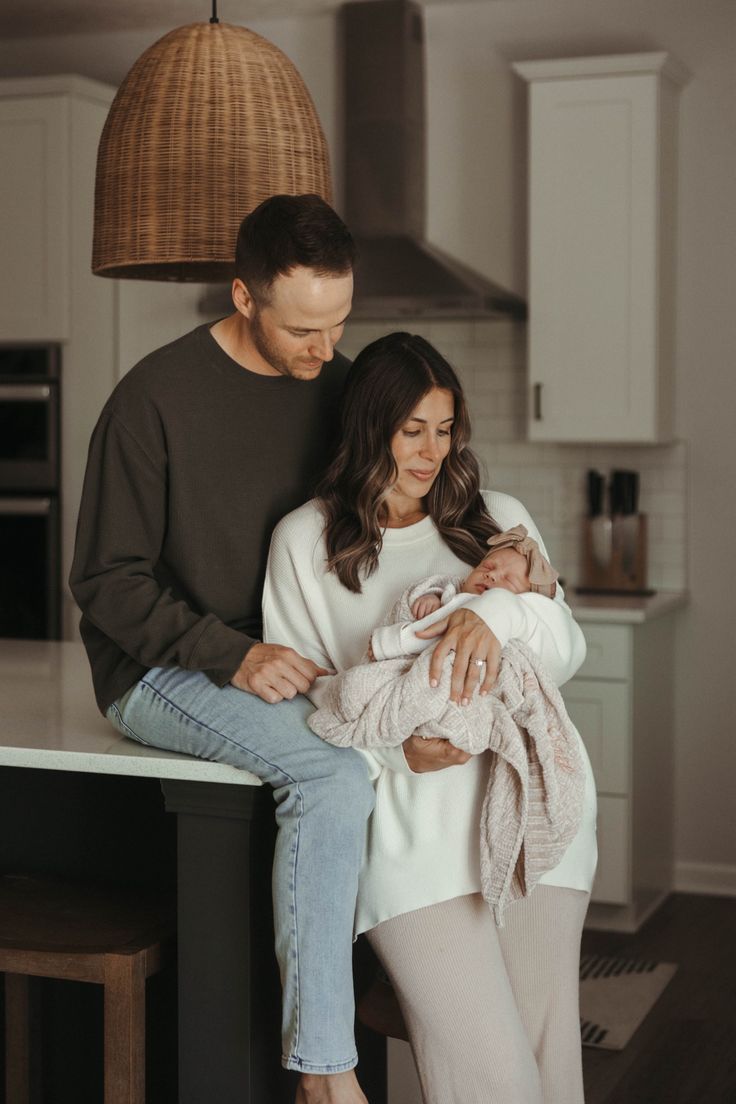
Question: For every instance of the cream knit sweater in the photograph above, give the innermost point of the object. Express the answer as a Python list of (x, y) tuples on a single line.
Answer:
[(533, 801), (423, 840)]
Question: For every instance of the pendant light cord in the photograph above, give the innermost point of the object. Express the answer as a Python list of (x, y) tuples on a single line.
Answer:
[(213, 18)]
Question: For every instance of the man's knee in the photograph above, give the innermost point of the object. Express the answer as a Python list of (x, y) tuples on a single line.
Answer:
[(351, 784)]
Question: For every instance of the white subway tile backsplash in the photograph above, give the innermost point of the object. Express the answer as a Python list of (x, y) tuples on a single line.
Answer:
[(490, 360), (668, 504), (444, 333)]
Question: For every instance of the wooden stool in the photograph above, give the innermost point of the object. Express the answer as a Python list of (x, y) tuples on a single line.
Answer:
[(116, 938)]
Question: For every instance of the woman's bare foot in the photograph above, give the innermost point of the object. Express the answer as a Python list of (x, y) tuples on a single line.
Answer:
[(330, 1088)]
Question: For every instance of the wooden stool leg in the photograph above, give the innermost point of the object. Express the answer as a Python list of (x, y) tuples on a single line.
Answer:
[(125, 1029), (17, 1039)]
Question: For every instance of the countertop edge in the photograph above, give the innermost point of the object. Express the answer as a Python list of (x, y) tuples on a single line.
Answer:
[(616, 609), (130, 764)]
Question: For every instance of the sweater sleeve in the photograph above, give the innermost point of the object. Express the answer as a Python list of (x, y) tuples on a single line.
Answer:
[(288, 614), (545, 625), (120, 533), (289, 618)]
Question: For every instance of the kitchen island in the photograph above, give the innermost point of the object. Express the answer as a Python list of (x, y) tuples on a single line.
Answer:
[(227, 977)]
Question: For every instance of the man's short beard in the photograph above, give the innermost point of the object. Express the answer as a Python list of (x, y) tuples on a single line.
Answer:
[(264, 347)]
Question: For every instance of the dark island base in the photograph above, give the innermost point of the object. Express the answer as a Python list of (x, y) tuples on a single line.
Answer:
[(215, 853)]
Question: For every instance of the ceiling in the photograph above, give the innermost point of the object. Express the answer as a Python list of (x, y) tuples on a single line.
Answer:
[(37, 18), (31, 18)]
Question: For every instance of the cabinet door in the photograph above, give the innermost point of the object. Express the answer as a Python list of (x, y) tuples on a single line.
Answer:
[(34, 227), (601, 712), (612, 883), (609, 652), (593, 259)]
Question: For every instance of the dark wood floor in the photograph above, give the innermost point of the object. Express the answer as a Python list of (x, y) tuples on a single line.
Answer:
[(685, 1051)]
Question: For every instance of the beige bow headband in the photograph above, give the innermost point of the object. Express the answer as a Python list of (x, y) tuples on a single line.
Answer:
[(542, 576)]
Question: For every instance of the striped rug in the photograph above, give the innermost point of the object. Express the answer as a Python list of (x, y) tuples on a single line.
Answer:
[(615, 996)]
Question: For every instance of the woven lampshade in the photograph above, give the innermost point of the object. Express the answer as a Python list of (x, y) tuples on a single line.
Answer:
[(211, 120)]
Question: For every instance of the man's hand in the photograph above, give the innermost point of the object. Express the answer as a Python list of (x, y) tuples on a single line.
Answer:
[(432, 755), (470, 638), (273, 672)]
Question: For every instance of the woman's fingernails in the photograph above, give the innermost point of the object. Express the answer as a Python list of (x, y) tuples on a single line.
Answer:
[(464, 701), (433, 682)]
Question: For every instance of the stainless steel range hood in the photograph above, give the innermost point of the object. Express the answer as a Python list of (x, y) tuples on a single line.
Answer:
[(398, 272)]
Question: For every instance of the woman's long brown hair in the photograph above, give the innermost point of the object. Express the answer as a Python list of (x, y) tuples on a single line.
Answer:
[(386, 382)]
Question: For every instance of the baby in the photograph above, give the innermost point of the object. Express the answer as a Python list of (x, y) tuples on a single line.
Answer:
[(514, 563), (534, 794)]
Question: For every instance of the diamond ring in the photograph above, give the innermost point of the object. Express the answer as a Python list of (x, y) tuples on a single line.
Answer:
[(479, 662)]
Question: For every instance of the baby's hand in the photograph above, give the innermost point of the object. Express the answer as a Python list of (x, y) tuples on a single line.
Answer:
[(425, 605), (371, 657)]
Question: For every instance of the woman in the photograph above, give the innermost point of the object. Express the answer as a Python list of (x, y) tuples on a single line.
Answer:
[(492, 1013)]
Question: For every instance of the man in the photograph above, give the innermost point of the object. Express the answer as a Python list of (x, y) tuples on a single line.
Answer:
[(199, 451)]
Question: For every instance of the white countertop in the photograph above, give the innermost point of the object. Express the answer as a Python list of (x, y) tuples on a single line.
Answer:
[(48, 716), (622, 609), (48, 719)]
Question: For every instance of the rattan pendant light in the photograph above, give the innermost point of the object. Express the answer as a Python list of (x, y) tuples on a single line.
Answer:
[(210, 121)]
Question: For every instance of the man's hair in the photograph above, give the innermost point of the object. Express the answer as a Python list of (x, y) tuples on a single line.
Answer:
[(285, 231)]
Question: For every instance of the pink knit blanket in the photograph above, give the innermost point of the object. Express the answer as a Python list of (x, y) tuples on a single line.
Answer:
[(533, 802)]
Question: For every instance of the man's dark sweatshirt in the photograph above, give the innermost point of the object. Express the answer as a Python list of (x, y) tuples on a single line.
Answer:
[(192, 463)]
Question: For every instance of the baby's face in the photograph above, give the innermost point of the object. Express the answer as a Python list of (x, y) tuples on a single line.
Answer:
[(505, 568)]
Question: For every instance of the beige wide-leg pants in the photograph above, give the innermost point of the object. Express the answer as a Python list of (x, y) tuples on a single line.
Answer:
[(492, 1013)]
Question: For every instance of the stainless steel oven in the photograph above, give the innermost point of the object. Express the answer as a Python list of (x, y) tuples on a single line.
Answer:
[(29, 567), (30, 590), (29, 417)]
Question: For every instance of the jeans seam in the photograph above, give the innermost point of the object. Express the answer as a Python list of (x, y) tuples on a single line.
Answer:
[(127, 727), (297, 974), (293, 1061), (298, 792)]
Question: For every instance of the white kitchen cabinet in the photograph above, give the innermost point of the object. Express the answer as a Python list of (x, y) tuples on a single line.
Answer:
[(34, 215), (602, 176), (621, 702), (49, 133)]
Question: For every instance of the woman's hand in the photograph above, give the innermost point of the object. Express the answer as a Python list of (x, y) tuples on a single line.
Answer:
[(432, 754), (273, 672), (470, 638)]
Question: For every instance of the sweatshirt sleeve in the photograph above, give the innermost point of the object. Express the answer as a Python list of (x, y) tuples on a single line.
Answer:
[(120, 533), (545, 625)]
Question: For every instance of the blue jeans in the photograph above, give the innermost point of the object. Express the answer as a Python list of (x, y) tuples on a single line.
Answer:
[(323, 800)]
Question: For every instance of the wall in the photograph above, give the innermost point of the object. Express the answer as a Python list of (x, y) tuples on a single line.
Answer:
[(476, 200)]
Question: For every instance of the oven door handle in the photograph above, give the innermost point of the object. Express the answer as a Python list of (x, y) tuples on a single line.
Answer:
[(27, 507), (24, 392)]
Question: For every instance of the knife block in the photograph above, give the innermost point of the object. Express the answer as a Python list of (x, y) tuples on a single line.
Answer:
[(615, 554)]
